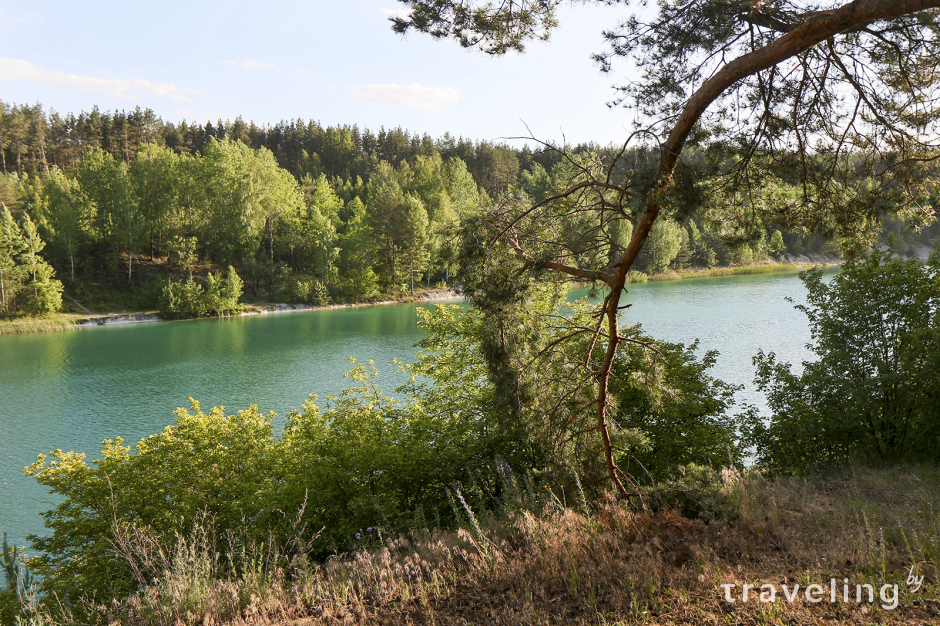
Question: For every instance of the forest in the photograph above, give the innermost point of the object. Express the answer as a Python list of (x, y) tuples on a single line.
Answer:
[(134, 212), (545, 462)]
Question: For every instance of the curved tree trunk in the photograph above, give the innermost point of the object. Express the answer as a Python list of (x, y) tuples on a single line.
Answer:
[(815, 29)]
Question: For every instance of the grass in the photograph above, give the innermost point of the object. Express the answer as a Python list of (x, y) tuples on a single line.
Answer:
[(61, 321), (758, 268), (555, 565)]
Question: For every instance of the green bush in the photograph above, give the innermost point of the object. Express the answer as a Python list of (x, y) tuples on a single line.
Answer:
[(776, 247), (190, 299), (873, 394), (44, 295), (696, 491), (205, 463), (182, 299), (18, 582), (360, 286), (680, 411), (366, 461), (295, 288)]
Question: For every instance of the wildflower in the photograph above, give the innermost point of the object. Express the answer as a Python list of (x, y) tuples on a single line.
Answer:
[(369, 529), (358, 535)]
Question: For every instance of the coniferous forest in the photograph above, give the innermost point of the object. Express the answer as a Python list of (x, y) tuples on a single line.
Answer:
[(126, 210)]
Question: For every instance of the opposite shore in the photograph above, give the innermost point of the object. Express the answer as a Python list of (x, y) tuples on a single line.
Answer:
[(74, 321)]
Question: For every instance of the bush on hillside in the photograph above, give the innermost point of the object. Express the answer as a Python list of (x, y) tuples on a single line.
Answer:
[(874, 393)]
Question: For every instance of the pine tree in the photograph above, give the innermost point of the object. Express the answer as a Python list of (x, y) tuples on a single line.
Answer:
[(11, 245), (43, 292)]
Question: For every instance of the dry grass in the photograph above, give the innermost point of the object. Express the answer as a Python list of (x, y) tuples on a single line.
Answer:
[(614, 567)]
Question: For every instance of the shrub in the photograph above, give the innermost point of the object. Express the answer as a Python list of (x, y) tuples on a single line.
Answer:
[(190, 299), (367, 460), (288, 287), (873, 394), (679, 410)]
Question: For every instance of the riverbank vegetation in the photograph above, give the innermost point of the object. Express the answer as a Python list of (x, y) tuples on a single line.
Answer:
[(451, 502), (544, 463), (131, 209), (540, 558)]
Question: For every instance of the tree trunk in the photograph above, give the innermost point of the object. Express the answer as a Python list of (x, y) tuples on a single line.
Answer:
[(68, 240), (814, 30), (391, 258), (42, 152), (271, 238)]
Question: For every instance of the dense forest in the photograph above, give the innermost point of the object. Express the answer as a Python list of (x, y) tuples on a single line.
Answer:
[(136, 212)]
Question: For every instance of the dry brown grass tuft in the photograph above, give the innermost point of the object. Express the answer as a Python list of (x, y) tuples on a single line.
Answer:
[(615, 567)]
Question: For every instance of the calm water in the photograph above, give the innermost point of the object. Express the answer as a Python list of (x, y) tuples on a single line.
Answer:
[(71, 390)]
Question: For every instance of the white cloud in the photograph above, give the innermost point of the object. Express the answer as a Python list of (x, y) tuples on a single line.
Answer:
[(251, 64), (397, 12), (413, 96), (18, 70), (8, 20)]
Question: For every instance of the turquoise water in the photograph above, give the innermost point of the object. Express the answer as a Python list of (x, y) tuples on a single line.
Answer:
[(70, 390)]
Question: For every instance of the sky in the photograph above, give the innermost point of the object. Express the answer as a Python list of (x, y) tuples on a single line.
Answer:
[(336, 62)]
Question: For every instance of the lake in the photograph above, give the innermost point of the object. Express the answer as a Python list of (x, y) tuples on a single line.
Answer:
[(70, 390)]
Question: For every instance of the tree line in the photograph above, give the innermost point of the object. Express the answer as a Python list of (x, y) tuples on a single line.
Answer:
[(33, 141), (128, 203)]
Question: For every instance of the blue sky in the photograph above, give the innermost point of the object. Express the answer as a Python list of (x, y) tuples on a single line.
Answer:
[(333, 61)]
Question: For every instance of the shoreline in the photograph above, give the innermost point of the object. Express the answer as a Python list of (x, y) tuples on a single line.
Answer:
[(789, 265), (74, 321)]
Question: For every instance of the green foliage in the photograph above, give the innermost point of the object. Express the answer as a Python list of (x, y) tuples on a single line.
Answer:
[(289, 287), (222, 296), (679, 410), (153, 173), (696, 491), (666, 409), (367, 461), (777, 247), (358, 279), (873, 393), (27, 282), (494, 27), (18, 580), (205, 463), (663, 246), (351, 216), (190, 299), (182, 300), (185, 249), (107, 186)]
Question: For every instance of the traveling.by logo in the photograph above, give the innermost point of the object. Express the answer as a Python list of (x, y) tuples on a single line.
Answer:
[(914, 582), (837, 592)]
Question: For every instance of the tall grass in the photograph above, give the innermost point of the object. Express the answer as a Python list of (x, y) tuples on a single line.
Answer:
[(36, 324), (534, 560)]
